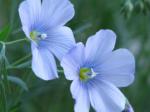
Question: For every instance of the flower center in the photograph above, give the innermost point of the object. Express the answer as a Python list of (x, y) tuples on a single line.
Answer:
[(37, 36), (86, 74)]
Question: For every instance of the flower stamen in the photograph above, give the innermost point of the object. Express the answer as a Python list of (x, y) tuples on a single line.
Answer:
[(37, 36), (86, 74)]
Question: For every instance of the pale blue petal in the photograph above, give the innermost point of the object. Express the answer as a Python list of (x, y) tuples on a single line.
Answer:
[(23, 13), (29, 11), (72, 62), (80, 94), (96, 99), (26, 31), (60, 41), (128, 107), (118, 68), (105, 97), (131, 109), (43, 63), (57, 12), (98, 45), (34, 7)]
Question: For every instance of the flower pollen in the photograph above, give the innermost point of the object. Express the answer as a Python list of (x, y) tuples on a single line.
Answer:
[(37, 36), (86, 74)]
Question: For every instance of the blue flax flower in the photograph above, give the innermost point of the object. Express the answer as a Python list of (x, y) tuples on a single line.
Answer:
[(97, 71), (43, 23)]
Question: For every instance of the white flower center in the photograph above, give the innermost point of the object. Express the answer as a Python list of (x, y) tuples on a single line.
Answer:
[(43, 36), (37, 36)]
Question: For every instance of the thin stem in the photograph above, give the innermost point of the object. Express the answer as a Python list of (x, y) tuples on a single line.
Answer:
[(60, 71), (15, 41), (16, 67), (22, 59)]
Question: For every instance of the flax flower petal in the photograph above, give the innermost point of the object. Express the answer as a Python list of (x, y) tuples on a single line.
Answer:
[(98, 45), (73, 61), (118, 68), (105, 97), (80, 94), (43, 63)]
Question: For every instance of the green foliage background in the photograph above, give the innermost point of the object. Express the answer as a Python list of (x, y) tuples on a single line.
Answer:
[(133, 31)]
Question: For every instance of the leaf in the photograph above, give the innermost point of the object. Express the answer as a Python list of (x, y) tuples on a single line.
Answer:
[(15, 108), (19, 82), (4, 33), (3, 101), (3, 70), (3, 80)]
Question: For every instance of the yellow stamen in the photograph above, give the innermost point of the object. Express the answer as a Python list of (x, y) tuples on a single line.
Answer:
[(33, 35), (83, 74)]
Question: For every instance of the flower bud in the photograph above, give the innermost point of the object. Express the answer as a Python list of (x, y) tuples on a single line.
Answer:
[(139, 6), (127, 8)]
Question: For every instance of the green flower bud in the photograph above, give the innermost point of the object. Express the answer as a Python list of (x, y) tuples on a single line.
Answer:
[(127, 8)]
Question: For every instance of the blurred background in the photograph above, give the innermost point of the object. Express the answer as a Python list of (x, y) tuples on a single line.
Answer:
[(22, 91)]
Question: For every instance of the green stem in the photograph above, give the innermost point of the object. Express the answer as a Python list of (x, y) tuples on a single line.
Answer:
[(60, 71), (16, 41), (22, 59), (16, 67)]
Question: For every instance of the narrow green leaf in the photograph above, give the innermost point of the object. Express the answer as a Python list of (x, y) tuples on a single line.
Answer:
[(3, 69), (4, 86), (4, 33), (15, 108), (18, 81), (3, 101)]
